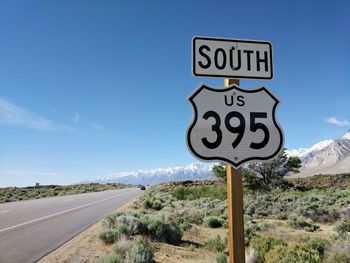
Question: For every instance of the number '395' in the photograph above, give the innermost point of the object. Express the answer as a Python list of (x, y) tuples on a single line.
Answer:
[(239, 130)]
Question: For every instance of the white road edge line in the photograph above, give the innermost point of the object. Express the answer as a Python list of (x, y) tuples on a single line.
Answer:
[(59, 213)]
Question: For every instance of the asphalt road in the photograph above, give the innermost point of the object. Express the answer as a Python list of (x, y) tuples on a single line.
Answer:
[(29, 230)]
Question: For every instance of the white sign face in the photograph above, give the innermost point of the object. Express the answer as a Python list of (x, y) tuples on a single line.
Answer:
[(231, 58), (234, 125)]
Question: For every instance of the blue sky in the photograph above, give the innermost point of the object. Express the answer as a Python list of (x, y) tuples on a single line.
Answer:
[(89, 88)]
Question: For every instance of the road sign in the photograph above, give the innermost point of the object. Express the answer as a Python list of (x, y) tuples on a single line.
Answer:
[(231, 58), (234, 125)]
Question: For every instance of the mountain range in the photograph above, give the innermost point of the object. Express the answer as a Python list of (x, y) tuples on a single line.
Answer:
[(325, 157), (193, 171)]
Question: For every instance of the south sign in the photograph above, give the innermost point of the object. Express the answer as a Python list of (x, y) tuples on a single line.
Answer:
[(231, 58), (234, 125)]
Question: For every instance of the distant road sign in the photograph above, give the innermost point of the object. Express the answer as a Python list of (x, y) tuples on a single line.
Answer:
[(231, 58), (234, 125)]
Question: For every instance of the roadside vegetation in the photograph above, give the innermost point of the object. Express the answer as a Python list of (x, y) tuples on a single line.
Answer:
[(294, 221), (11, 194)]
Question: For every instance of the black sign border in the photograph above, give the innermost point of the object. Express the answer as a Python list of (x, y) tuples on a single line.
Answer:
[(227, 40), (195, 118)]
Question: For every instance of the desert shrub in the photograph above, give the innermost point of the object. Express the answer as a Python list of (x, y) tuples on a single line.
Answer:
[(280, 216), (194, 216), (345, 213), (111, 258), (262, 245), (292, 253), (300, 222), (122, 247), (155, 200), (250, 229), (216, 244), (152, 204), (126, 224), (108, 236), (180, 192), (317, 205), (312, 228), (201, 191), (140, 252), (163, 230), (318, 211), (220, 209), (317, 244), (110, 220), (343, 227), (122, 230), (221, 258), (136, 214), (132, 224), (157, 205), (147, 204), (183, 224), (250, 209), (297, 222), (212, 221)]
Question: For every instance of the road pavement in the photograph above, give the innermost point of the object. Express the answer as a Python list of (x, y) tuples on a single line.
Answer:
[(31, 229)]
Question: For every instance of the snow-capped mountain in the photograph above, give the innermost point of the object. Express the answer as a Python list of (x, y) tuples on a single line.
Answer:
[(329, 156), (194, 171), (326, 157)]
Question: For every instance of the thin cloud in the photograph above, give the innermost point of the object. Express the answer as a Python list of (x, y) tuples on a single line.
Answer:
[(11, 114), (76, 117), (337, 122), (97, 126), (98, 129)]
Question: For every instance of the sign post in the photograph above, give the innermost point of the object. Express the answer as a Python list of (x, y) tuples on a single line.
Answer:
[(233, 125), (235, 207)]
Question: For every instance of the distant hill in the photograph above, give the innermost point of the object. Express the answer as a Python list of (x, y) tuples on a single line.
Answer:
[(323, 181), (325, 157), (194, 171)]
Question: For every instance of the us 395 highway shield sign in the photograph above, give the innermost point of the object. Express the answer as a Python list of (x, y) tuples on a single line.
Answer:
[(234, 125)]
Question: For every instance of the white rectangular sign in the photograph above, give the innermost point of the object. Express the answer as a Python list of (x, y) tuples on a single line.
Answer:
[(231, 58)]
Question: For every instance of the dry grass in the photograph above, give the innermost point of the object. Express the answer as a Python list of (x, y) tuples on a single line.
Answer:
[(288, 234), (191, 249)]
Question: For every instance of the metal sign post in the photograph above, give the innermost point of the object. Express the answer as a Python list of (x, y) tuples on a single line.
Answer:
[(235, 207)]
